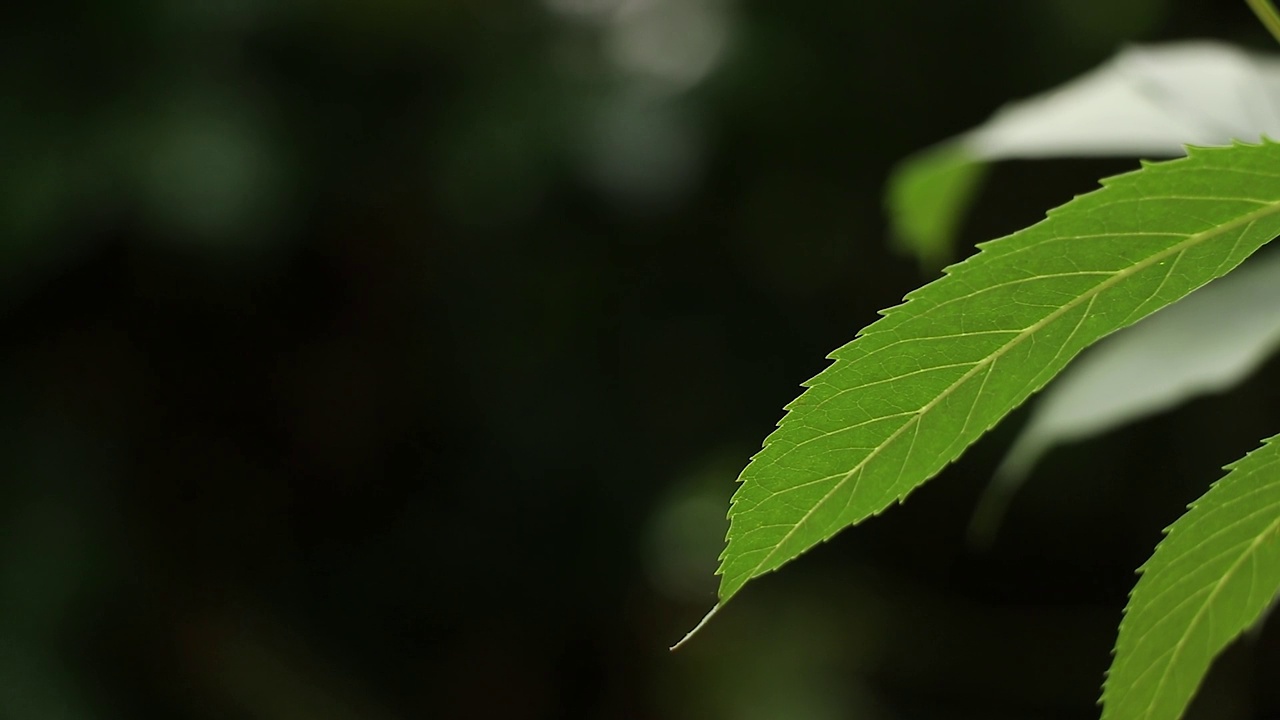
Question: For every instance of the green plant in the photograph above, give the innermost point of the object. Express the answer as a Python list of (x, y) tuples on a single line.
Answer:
[(925, 381)]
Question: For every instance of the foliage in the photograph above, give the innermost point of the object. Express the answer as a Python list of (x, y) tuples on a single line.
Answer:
[(1149, 101), (918, 386), (928, 379), (1211, 577)]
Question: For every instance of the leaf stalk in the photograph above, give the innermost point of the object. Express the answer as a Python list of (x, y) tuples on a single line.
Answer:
[(1267, 13)]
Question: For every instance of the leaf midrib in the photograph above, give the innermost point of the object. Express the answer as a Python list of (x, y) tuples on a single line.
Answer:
[(1120, 275)]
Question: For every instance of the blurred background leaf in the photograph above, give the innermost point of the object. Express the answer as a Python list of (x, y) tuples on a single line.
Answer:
[(1147, 102)]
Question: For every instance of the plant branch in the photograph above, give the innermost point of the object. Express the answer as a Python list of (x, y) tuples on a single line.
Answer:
[(1267, 13)]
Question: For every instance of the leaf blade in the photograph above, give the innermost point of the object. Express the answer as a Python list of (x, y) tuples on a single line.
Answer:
[(929, 377), (1213, 575)]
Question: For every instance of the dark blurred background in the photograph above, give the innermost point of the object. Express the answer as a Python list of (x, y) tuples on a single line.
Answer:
[(395, 359)]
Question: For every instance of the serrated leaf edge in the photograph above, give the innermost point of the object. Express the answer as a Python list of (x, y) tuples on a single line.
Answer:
[(1271, 207), (1272, 532)]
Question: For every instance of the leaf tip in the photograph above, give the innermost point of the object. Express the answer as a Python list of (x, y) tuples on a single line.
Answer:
[(689, 635)]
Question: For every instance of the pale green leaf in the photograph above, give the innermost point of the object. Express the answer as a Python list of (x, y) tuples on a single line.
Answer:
[(1211, 578), (926, 380), (1149, 101), (927, 196)]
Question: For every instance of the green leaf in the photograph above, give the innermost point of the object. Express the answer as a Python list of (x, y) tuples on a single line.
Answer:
[(1211, 578), (922, 383), (927, 197)]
